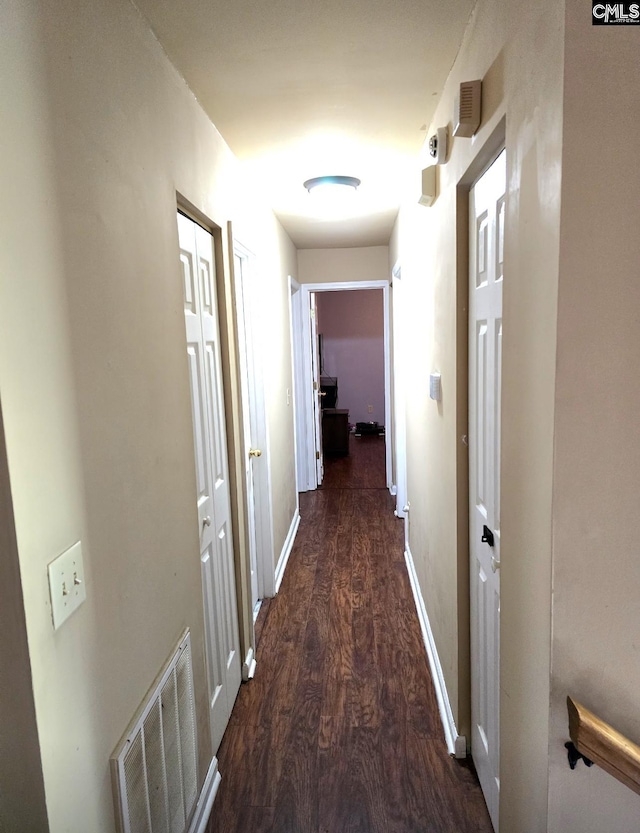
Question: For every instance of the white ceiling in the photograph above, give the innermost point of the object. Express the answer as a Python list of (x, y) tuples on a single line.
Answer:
[(301, 89)]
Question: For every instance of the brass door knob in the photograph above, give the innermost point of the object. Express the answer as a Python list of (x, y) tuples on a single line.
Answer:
[(255, 452)]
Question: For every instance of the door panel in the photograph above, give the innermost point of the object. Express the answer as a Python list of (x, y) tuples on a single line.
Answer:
[(317, 409), (249, 405), (218, 710), (400, 360), (212, 481), (486, 222)]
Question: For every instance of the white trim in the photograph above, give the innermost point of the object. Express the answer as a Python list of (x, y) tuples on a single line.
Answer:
[(301, 348), (399, 393), (255, 425), (200, 818), (297, 379), (388, 439), (456, 744), (286, 549), (249, 666), (305, 400)]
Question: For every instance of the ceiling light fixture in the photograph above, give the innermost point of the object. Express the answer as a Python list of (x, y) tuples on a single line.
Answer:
[(323, 182)]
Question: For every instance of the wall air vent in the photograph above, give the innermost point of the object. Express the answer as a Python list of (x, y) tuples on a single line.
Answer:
[(467, 110), (154, 768)]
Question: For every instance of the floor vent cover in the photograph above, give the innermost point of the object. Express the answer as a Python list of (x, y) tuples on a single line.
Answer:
[(154, 766)]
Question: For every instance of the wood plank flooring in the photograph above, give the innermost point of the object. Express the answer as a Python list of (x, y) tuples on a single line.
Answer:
[(339, 730)]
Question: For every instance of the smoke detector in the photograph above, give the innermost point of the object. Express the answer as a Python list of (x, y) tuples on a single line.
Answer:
[(438, 146), (466, 116)]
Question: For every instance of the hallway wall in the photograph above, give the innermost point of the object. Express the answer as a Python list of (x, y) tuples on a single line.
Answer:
[(23, 804), (370, 263), (517, 49), (570, 399), (99, 135), (596, 569)]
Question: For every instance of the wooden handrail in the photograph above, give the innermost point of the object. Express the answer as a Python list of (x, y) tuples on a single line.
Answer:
[(604, 745)]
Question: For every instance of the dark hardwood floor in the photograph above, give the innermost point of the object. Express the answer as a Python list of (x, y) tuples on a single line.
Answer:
[(339, 730)]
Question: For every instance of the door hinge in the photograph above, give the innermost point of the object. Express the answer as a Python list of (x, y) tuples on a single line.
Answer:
[(312, 313), (315, 386), (317, 455)]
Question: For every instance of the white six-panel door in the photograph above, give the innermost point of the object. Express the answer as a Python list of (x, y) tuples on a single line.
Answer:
[(487, 214), (212, 480)]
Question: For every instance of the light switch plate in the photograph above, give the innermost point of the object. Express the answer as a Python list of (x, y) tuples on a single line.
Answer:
[(435, 387), (66, 584)]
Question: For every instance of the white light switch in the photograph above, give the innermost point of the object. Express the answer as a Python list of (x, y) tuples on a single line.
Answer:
[(66, 584)]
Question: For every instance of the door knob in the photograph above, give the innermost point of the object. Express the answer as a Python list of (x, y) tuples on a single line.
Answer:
[(255, 452), (487, 536), (322, 393), (495, 564), (206, 521)]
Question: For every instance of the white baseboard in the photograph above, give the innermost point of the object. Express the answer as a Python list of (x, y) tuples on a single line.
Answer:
[(206, 798), (456, 744), (286, 549), (249, 666)]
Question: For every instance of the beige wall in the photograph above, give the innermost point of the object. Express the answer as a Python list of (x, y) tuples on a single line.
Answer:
[(517, 49), (23, 805), (596, 569), (370, 263), (99, 134)]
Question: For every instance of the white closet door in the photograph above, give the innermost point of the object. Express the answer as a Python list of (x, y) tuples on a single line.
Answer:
[(212, 478), (487, 213)]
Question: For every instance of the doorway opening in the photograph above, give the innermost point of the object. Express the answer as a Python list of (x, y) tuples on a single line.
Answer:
[(341, 347)]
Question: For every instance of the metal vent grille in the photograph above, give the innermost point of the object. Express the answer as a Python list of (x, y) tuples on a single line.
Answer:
[(467, 110), (154, 767), (466, 101)]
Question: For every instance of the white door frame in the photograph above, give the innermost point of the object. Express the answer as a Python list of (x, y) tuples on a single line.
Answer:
[(317, 393), (485, 509), (213, 495), (256, 430), (304, 399), (399, 393), (300, 358)]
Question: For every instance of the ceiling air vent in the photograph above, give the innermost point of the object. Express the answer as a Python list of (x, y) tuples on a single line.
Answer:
[(466, 116)]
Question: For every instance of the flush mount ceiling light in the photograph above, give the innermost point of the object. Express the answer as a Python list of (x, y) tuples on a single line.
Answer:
[(333, 182)]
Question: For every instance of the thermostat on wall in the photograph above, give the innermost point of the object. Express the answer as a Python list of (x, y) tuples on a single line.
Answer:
[(435, 388)]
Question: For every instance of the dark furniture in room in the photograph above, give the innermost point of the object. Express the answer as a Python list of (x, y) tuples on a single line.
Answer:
[(335, 432), (329, 391)]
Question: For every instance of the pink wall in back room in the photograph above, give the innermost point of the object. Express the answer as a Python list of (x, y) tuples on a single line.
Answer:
[(352, 328)]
